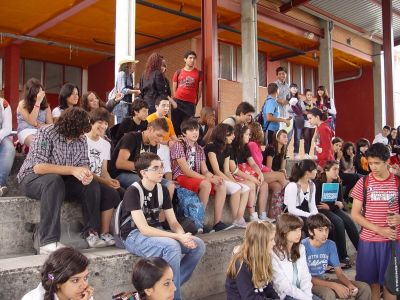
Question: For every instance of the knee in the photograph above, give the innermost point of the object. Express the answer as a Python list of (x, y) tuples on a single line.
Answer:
[(55, 181), (205, 185), (173, 249)]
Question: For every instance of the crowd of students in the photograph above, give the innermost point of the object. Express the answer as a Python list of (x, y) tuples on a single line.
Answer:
[(77, 151)]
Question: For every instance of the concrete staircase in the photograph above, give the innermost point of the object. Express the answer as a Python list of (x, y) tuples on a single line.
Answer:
[(110, 268)]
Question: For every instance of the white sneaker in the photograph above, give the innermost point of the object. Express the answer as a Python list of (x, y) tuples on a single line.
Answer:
[(296, 156), (241, 223), (50, 248), (307, 156), (95, 241), (108, 238), (3, 191), (254, 217), (265, 218)]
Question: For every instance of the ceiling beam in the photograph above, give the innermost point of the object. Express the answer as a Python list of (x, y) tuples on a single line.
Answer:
[(58, 19), (284, 8)]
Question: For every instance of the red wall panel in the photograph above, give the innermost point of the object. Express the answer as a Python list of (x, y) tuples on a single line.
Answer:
[(354, 100), (101, 78)]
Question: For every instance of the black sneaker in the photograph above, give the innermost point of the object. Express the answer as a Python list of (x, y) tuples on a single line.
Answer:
[(222, 226), (205, 229)]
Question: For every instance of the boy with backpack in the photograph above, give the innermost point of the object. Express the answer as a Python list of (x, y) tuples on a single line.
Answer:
[(321, 252), (376, 210), (271, 115), (141, 229), (191, 172), (186, 90)]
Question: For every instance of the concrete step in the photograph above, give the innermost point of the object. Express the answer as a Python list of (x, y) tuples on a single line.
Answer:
[(15, 212), (111, 268)]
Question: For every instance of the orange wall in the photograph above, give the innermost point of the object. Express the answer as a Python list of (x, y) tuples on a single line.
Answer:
[(354, 100)]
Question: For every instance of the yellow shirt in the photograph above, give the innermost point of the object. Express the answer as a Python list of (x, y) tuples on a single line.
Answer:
[(171, 130)]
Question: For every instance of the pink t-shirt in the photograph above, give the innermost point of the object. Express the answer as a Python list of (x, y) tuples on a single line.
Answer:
[(256, 153)]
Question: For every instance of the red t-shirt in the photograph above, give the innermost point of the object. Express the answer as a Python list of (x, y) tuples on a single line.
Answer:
[(324, 141), (187, 85), (382, 196)]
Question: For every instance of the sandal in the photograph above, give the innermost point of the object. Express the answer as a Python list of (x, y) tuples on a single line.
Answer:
[(330, 270)]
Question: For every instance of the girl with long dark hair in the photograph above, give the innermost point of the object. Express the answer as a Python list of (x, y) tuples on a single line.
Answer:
[(308, 130), (153, 84), (68, 97), (327, 105), (298, 109), (289, 260), (323, 136), (153, 279), (348, 172), (64, 275), (32, 112), (218, 153), (333, 209), (300, 192)]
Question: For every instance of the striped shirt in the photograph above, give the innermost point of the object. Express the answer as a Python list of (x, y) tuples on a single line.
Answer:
[(382, 196), (50, 147)]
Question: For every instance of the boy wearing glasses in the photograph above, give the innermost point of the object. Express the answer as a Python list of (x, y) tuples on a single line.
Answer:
[(145, 236), (191, 172)]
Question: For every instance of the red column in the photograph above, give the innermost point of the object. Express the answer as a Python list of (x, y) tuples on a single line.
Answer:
[(11, 78), (209, 40), (387, 12)]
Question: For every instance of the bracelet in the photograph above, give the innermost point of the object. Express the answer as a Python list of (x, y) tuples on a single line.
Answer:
[(38, 106)]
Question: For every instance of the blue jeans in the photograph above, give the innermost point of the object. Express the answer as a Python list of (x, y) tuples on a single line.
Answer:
[(296, 142), (171, 251), (7, 154), (291, 298), (121, 110)]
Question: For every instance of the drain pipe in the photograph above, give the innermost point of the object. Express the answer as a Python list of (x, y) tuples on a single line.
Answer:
[(360, 71), (53, 43)]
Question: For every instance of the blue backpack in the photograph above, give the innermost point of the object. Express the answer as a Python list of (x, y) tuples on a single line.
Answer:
[(190, 206)]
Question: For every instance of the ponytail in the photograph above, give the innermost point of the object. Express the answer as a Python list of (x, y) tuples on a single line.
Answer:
[(300, 168)]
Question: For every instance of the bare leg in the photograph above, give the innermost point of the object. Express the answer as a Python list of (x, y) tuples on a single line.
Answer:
[(251, 203), (275, 176), (235, 200), (244, 198), (219, 201), (263, 198), (204, 192), (106, 220), (387, 295), (171, 189)]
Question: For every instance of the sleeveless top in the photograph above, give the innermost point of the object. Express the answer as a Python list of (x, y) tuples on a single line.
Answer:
[(23, 124)]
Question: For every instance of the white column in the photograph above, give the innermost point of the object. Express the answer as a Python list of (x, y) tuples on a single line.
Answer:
[(125, 16), (249, 51)]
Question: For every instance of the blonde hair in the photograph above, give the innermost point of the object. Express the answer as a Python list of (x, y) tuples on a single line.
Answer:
[(253, 253)]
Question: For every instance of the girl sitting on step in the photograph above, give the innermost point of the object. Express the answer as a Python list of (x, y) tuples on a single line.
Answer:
[(249, 275), (64, 276)]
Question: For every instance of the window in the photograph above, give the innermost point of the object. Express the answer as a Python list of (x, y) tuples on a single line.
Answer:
[(54, 78), (74, 76), (297, 76), (226, 66), (52, 75), (308, 79), (230, 64)]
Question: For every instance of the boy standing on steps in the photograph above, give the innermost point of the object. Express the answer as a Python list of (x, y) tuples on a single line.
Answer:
[(321, 252), (191, 172), (145, 237), (380, 220), (186, 90)]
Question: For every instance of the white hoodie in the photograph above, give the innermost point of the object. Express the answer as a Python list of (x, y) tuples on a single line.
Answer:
[(282, 277), (38, 294)]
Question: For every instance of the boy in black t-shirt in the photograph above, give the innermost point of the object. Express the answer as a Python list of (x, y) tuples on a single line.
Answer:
[(122, 166), (145, 237)]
